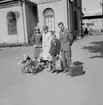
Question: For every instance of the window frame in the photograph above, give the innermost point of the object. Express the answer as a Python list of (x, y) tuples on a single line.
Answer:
[(11, 23), (49, 17)]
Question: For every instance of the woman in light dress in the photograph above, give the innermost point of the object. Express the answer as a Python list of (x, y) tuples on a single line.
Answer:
[(46, 42)]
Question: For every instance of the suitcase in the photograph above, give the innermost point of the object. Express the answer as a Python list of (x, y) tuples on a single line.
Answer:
[(76, 69)]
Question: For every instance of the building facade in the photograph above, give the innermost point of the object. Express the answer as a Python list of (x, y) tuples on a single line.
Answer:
[(93, 19), (18, 18), (94, 24), (50, 12)]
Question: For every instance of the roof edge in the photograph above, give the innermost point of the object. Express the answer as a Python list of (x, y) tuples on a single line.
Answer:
[(46, 1)]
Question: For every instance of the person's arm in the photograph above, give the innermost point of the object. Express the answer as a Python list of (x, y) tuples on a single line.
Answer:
[(33, 39), (60, 40), (41, 40), (50, 47), (70, 37)]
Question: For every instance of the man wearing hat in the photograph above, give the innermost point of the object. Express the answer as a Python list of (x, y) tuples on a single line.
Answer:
[(46, 42), (37, 41)]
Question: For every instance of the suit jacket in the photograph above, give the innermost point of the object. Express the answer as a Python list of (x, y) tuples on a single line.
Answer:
[(54, 47), (65, 40)]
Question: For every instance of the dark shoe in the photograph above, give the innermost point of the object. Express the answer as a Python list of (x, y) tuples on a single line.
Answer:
[(53, 70), (83, 72), (66, 70), (50, 68), (68, 73)]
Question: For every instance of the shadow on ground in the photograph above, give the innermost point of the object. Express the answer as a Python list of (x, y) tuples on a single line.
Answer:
[(76, 70), (96, 47), (2, 49), (72, 74)]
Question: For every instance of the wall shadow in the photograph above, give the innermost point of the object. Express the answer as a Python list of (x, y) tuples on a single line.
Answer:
[(96, 47), (2, 49)]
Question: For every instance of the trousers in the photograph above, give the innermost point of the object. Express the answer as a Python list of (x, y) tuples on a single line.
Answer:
[(53, 61), (66, 56)]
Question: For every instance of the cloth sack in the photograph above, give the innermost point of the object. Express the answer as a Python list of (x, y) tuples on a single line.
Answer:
[(58, 63)]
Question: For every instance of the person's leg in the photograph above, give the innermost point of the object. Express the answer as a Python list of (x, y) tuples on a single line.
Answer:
[(70, 56), (64, 60), (53, 61), (38, 51), (35, 51), (68, 60)]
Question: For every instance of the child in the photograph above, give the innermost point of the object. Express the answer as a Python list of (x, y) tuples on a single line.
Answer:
[(54, 50)]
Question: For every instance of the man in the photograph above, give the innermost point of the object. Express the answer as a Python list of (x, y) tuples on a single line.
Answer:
[(37, 41), (54, 49), (66, 42), (46, 42)]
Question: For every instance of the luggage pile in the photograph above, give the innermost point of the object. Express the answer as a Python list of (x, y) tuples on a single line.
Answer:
[(31, 66)]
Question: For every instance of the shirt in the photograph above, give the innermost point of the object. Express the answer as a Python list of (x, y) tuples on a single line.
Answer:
[(37, 39)]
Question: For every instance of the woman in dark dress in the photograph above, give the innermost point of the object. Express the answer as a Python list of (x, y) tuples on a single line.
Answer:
[(37, 41)]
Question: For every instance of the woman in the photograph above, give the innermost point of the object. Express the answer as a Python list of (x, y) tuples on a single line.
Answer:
[(37, 41), (46, 42)]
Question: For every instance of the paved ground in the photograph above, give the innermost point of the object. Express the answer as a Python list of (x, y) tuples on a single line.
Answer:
[(54, 89)]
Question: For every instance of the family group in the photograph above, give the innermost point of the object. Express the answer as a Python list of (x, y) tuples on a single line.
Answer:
[(48, 44)]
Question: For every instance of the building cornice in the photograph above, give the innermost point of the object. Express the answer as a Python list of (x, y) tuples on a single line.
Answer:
[(14, 3), (9, 4), (46, 1)]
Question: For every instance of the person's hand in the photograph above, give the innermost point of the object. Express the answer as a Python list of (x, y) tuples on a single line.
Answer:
[(58, 55), (39, 45), (35, 45)]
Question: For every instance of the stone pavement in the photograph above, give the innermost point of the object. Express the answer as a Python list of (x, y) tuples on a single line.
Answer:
[(46, 88)]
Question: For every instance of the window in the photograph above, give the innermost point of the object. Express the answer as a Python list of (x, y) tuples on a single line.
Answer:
[(11, 23), (49, 18)]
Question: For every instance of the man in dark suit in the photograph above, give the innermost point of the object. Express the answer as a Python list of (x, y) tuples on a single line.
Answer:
[(54, 49), (66, 42)]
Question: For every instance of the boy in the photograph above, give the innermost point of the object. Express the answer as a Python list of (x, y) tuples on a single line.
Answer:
[(54, 49)]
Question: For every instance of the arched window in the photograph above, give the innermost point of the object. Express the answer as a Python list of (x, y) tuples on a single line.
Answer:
[(49, 18), (11, 23)]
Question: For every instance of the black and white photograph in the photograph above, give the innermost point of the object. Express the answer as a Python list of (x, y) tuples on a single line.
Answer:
[(51, 52)]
